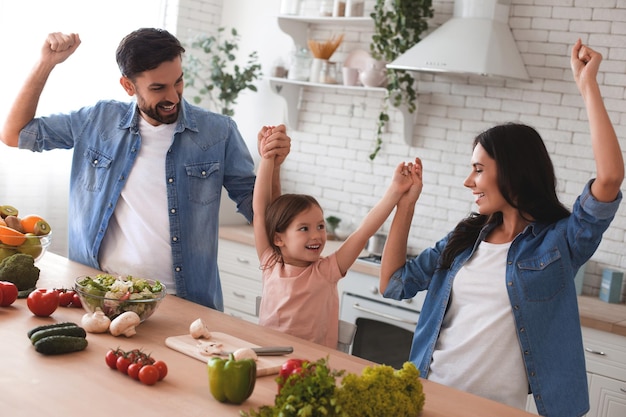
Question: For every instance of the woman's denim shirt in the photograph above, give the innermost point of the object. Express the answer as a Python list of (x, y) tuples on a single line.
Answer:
[(207, 153), (540, 268)]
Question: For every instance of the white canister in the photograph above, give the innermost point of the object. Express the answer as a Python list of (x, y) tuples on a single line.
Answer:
[(316, 68)]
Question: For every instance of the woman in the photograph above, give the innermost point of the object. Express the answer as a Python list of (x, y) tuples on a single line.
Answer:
[(500, 318)]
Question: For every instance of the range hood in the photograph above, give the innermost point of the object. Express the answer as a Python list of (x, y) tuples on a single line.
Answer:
[(476, 40)]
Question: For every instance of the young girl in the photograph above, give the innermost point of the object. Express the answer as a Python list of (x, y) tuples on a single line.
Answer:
[(501, 313), (299, 285)]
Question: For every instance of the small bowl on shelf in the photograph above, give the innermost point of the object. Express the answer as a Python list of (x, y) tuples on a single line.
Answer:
[(29, 244), (112, 304)]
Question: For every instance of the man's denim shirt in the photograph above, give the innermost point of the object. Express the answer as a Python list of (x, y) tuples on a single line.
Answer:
[(206, 153), (541, 264)]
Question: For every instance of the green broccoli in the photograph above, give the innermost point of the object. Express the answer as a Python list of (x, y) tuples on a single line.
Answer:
[(19, 269)]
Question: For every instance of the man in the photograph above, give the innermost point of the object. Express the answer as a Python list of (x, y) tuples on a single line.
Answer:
[(147, 175)]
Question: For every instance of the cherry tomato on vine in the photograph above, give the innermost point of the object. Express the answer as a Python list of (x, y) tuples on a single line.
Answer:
[(133, 370), (162, 368), (122, 364), (149, 374), (111, 358)]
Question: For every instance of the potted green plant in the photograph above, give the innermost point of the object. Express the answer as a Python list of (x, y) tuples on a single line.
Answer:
[(216, 75), (398, 25)]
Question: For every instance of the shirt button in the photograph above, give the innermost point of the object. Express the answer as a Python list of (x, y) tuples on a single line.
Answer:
[(173, 211), (526, 352), (170, 180), (95, 162), (532, 373), (522, 330), (178, 269), (515, 307), (175, 239), (204, 173), (510, 283)]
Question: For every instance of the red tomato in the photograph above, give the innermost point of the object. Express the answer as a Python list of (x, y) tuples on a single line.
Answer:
[(162, 368), (111, 358), (76, 300), (65, 297), (133, 370), (149, 374), (42, 302), (287, 368), (122, 364), (9, 293)]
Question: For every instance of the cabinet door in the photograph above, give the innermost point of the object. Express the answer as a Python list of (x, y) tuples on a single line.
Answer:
[(607, 397), (241, 279)]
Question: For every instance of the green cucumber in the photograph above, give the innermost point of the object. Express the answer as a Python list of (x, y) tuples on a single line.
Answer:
[(56, 345), (50, 326), (58, 331)]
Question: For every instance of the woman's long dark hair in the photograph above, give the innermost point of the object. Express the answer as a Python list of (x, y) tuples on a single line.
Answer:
[(525, 178)]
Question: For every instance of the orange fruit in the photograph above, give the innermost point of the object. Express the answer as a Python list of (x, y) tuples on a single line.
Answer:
[(35, 224), (11, 237)]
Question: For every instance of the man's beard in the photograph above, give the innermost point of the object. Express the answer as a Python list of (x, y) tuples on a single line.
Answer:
[(153, 112)]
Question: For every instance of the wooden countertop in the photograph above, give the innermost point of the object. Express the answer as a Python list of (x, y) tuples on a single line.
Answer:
[(80, 384), (594, 313)]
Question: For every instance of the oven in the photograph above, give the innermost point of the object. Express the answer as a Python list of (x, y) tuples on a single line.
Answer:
[(384, 327)]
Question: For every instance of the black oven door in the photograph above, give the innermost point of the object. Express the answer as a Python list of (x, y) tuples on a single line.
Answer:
[(384, 332)]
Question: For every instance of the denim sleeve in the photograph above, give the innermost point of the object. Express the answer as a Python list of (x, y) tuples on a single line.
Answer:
[(416, 274), (239, 174)]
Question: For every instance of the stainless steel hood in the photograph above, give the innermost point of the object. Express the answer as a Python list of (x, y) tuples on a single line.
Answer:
[(476, 40)]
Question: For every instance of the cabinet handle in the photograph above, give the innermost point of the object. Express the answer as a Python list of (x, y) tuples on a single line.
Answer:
[(357, 306), (238, 295), (595, 352), (242, 260)]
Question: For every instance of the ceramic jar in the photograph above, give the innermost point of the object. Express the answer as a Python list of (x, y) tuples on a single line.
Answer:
[(375, 75)]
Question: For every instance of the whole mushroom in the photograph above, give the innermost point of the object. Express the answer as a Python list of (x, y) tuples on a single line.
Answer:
[(199, 330), (125, 324), (96, 322)]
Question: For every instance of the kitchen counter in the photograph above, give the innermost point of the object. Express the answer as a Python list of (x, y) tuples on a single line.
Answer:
[(594, 313), (80, 383)]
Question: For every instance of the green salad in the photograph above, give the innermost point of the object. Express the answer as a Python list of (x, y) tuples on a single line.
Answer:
[(115, 294)]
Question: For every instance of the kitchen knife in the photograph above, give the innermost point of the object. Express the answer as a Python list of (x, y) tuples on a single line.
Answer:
[(267, 351)]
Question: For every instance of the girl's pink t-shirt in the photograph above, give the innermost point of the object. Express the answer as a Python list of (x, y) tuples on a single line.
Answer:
[(302, 301)]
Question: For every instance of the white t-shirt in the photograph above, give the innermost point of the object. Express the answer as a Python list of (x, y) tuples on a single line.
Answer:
[(478, 350), (137, 239)]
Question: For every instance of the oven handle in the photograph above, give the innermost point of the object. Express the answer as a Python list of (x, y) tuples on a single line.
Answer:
[(357, 306)]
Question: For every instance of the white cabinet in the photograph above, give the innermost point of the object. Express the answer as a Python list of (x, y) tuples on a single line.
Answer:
[(297, 27), (241, 279), (605, 356)]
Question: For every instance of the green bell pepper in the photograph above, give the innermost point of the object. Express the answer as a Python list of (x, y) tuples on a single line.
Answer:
[(231, 380)]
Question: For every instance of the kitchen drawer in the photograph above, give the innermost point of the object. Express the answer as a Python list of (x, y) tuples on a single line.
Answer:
[(240, 294), (238, 259), (605, 353), (240, 315)]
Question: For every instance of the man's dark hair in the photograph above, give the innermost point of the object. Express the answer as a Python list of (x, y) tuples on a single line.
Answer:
[(145, 49)]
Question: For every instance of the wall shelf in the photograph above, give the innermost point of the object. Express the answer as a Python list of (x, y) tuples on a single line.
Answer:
[(297, 26), (291, 91)]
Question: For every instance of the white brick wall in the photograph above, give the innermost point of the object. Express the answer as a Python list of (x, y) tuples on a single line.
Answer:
[(336, 128)]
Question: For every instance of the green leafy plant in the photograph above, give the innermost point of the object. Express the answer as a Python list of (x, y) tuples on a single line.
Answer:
[(398, 25), (215, 74)]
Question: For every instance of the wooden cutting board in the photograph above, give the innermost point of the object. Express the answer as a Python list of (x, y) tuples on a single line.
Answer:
[(265, 365)]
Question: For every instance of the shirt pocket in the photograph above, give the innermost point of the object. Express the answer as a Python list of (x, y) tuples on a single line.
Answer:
[(543, 276), (204, 182), (95, 169)]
